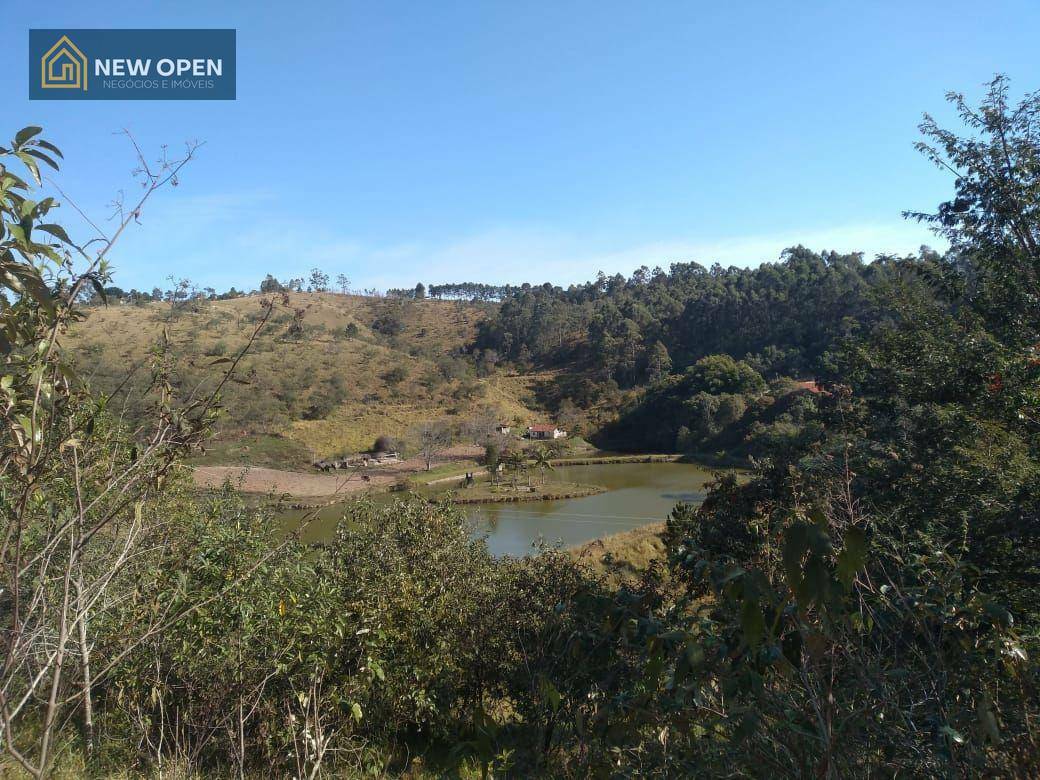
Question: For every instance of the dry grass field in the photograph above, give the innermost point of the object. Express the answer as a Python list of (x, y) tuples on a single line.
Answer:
[(622, 557), (355, 368)]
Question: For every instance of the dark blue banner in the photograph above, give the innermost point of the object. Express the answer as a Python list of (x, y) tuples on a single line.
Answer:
[(131, 64)]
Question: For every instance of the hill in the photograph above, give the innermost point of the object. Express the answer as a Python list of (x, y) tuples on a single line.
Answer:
[(326, 376)]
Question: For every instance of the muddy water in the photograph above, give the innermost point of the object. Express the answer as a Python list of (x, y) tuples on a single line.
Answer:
[(637, 494)]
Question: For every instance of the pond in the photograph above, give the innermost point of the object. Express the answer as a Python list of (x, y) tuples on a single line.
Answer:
[(637, 494)]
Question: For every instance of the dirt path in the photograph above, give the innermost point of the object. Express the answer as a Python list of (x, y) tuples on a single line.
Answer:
[(254, 479), (456, 477), (260, 480)]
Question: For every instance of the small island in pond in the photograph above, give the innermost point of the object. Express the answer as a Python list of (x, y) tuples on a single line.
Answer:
[(483, 492)]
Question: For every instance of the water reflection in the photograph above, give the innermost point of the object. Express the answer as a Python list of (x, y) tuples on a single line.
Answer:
[(637, 494)]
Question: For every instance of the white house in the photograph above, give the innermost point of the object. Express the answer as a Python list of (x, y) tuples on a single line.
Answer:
[(545, 432)]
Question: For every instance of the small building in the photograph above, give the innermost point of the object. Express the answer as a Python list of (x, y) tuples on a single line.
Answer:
[(503, 429), (545, 432)]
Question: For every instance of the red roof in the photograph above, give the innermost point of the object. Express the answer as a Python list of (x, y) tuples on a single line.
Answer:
[(543, 428)]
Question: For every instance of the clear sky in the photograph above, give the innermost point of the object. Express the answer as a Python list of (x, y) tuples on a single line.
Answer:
[(539, 141)]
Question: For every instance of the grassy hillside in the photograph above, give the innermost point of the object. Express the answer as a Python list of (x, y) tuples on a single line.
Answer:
[(351, 369)]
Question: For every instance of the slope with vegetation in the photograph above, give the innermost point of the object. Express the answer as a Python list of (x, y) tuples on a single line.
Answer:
[(865, 604), (337, 370), (628, 352)]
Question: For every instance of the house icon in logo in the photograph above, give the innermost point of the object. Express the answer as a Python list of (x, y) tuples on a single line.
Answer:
[(64, 66)]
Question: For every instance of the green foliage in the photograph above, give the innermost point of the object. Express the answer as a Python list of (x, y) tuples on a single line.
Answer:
[(72, 484), (785, 315), (271, 285), (866, 603), (492, 457), (863, 603), (28, 240), (711, 406), (390, 319), (658, 362), (395, 627), (718, 374), (319, 280)]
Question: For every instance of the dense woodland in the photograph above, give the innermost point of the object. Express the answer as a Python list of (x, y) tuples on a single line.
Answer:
[(866, 602), (696, 346), (782, 317)]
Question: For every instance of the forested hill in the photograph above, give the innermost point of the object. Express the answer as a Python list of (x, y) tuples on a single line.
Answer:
[(781, 317)]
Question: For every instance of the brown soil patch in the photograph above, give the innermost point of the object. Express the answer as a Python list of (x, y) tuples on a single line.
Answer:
[(254, 479)]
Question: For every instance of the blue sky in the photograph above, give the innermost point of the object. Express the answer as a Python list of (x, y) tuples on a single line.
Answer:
[(493, 141)]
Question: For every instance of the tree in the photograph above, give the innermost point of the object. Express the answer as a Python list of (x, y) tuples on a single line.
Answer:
[(319, 280), (625, 347), (390, 319), (731, 409), (568, 416), (658, 362), (433, 437), (516, 463), (296, 329), (492, 459), (781, 317), (718, 374), (542, 461), (486, 361), (481, 426), (420, 291), (889, 524), (995, 206), (271, 285), (343, 282)]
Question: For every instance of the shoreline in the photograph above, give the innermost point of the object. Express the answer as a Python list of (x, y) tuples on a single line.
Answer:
[(607, 460), (581, 492), (295, 491), (622, 556)]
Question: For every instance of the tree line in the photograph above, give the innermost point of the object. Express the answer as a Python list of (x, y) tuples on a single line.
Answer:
[(780, 317)]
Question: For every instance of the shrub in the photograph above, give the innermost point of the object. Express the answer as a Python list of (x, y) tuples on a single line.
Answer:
[(395, 375), (218, 349)]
